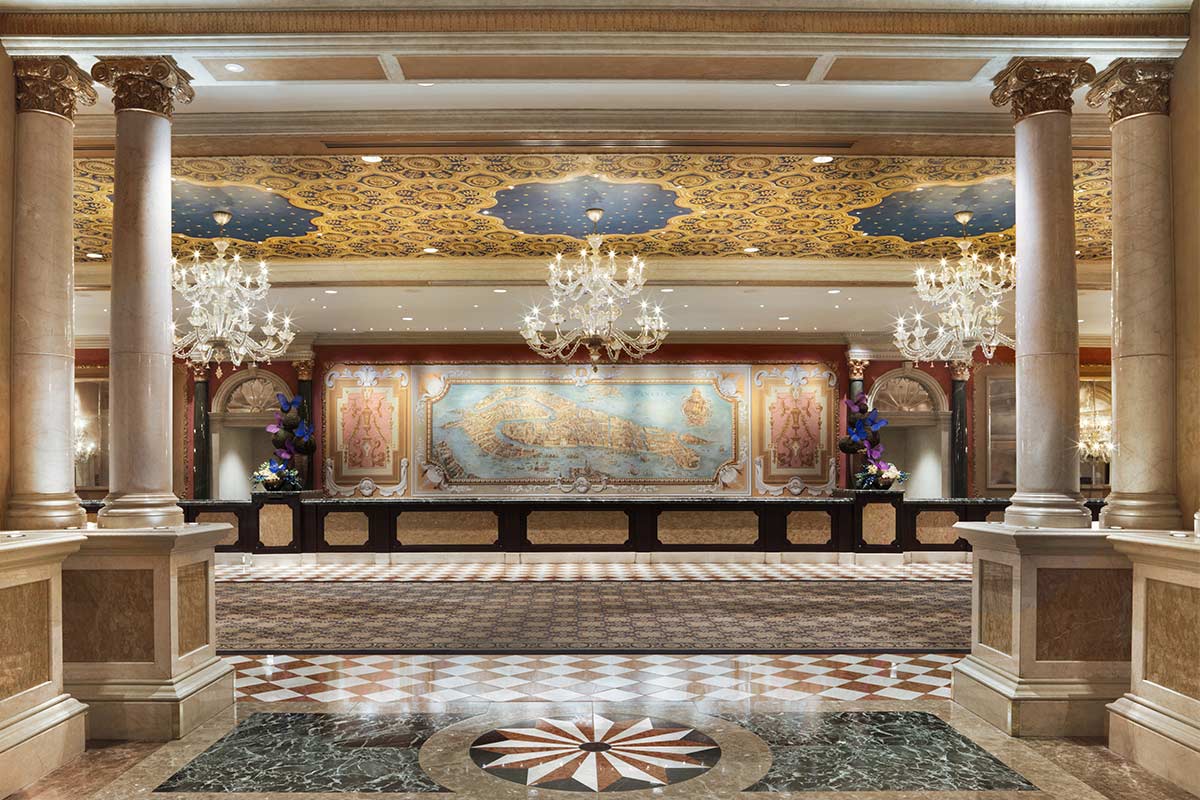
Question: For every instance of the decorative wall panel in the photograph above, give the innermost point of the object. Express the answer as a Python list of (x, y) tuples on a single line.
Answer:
[(25, 634), (193, 606), (795, 419), (366, 430)]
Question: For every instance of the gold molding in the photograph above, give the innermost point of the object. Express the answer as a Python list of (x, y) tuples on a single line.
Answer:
[(1133, 87), (304, 369), (961, 370), (858, 368), (895, 23), (141, 83), (51, 85), (1035, 86)]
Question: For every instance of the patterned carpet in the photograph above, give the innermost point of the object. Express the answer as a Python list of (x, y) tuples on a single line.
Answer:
[(610, 617)]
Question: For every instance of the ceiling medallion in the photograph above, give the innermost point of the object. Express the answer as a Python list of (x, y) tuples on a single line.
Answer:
[(224, 301), (967, 295), (589, 293)]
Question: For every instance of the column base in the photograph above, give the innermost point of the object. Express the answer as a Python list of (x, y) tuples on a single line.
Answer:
[(44, 512), (40, 741), (1031, 706), (132, 511), (148, 710), (1164, 743), (1144, 511), (1047, 510)]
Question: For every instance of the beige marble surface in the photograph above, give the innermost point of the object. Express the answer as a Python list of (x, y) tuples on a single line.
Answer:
[(226, 518), (24, 628), (937, 527), (879, 523), (809, 527), (566, 527), (457, 527), (1172, 637), (108, 615), (275, 525), (995, 605), (1084, 614), (708, 527), (193, 583), (8, 117), (346, 528)]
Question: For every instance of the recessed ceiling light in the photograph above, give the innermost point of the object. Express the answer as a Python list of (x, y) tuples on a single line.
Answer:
[(424, 84), (500, 291), (331, 291), (232, 67), (833, 291), (784, 319), (783, 84), (749, 249), (685, 305), (94, 255), (430, 250), (822, 159), (399, 306), (1080, 321), (475, 306), (372, 159), (666, 291), (406, 319)]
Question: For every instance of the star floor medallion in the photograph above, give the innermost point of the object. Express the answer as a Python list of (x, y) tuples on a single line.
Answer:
[(596, 753)]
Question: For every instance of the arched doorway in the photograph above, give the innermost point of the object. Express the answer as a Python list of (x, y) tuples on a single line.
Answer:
[(917, 437), (242, 407)]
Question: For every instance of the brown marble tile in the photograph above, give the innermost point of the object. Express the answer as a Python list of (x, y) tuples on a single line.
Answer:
[(346, 528), (108, 615), (708, 527), (275, 525), (442, 527), (193, 606), (809, 527), (1104, 771), (937, 527), (1172, 628), (995, 605), (1084, 614), (228, 518), (101, 764), (564, 527), (879, 523), (25, 637)]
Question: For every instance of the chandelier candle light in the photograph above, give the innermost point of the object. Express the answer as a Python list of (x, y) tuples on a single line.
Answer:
[(590, 293), (224, 297), (968, 296)]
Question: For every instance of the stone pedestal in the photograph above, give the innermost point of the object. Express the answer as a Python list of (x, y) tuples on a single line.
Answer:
[(139, 632), (41, 728), (1050, 630), (1157, 722)]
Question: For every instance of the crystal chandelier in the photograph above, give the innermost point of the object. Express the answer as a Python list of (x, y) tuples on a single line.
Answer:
[(589, 293), (84, 445), (224, 298), (968, 296), (1095, 432)]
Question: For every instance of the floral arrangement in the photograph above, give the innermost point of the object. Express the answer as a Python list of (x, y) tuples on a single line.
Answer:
[(862, 438), (291, 435)]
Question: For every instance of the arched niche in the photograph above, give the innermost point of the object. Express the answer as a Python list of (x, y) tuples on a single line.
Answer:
[(918, 431), (242, 407)]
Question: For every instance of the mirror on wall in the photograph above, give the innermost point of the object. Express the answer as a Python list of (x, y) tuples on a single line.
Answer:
[(91, 433)]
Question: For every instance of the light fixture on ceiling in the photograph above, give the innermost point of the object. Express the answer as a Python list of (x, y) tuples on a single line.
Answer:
[(331, 291), (784, 319), (783, 84), (749, 249), (1095, 430), (429, 250), (590, 292), (232, 67), (968, 296), (424, 83), (500, 291), (95, 256), (833, 291), (372, 159), (224, 301), (822, 159), (406, 319), (667, 290)]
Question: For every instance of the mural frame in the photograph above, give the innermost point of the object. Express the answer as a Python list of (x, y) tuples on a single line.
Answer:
[(341, 479)]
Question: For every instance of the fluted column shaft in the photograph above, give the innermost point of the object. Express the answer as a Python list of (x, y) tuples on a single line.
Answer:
[(1143, 303), (140, 346), (43, 331), (1047, 342)]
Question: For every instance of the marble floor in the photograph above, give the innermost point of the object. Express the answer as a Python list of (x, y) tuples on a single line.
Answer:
[(695, 727)]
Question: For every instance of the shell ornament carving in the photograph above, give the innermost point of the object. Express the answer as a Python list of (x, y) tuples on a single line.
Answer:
[(255, 396), (904, 395)]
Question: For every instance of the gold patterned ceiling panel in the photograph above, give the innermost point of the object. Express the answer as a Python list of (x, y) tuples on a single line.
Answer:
[(661, 205)]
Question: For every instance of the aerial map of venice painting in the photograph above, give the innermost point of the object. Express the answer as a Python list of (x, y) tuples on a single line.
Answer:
[(640, 427)]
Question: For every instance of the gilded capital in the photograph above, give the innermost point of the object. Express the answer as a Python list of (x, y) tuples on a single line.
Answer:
[(199, 372), (1133, 86), (144, 83), (304, 369), (858, 368), (51, 84), (961, 370), (1036, 85)]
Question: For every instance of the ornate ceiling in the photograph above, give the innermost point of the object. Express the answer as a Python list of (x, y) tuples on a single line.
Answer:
[(661, 205)]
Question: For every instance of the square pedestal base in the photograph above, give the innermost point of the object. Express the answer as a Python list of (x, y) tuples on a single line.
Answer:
[(1166, 744), (157, 711), (38, 743), (1024, 707)]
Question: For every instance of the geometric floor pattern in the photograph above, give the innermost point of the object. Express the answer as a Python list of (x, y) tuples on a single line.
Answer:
[(456, 573), (436, 680)]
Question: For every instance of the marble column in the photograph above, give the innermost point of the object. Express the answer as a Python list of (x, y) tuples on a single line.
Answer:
[(304, 388), (1047, 303), (145, 90), (960, 374), (201, 435), (1144, 467), (43, 329)]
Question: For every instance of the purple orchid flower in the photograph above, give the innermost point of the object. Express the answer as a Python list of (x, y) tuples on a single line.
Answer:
[(277, 425)]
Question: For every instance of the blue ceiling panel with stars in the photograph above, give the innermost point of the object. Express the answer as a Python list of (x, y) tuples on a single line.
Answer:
[(258, 214), (558, 208), (927, 213)]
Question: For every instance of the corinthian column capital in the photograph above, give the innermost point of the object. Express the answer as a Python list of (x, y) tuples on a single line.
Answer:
[(1036, 85), (52, 85), (144, 83), (858, 367), (1132, 87)]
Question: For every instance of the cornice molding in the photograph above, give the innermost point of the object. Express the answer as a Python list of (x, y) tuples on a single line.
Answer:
[(538, 124)]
